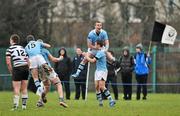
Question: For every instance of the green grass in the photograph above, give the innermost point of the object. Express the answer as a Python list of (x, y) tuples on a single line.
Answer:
[(155, 105)]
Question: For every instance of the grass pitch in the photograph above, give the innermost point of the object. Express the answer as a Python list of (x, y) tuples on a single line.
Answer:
[(155, 105)]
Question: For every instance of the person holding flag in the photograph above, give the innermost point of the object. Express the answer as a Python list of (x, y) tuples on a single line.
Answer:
[(142, 62)]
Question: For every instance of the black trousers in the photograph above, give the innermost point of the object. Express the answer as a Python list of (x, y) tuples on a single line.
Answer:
[(66, 84), (113, 80), (80, 86), (141, 84), (127, 85)]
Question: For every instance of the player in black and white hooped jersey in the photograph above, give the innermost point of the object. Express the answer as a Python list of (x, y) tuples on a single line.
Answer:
[(19, 70)]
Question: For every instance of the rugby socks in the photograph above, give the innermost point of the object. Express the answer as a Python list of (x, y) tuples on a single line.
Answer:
[(39, 88), (16, 101), (80, 68), (108, 95), (37, 83), (24, 99), (61, 99), (99, 97)]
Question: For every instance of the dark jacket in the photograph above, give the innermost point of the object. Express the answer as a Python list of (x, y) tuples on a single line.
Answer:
[(112, 66), (75, 64), (126, 62), (64, 67)]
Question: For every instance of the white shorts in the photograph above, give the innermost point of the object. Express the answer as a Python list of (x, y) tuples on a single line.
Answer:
[(100, 75), (36, 61)]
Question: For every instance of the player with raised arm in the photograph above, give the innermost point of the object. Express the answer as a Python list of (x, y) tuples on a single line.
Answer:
[(50, 75), (19, 70), (33, 49), (96, 34), (100, 73)]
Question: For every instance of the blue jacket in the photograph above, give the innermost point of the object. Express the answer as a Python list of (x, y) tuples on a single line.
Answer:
[(142, 63)]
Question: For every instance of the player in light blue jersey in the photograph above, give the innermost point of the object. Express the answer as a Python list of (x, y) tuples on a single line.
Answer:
[(100, 73), (33, 49), (51, 75), (96, 34)]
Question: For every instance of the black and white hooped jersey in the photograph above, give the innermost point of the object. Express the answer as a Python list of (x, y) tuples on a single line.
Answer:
[(17, 54)]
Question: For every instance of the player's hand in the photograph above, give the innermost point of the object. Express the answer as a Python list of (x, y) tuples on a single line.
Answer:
[(61, 57), (84, 54)]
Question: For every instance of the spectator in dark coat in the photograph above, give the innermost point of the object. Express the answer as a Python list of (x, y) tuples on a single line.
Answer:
[(112, 76), (126, 64), (142, 62), (80, 82), (63, 69)]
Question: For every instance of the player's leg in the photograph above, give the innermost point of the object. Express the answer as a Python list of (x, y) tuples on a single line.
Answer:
[(106, 93), (98, 93), (103, 76), (24, 93), (80, 68), (56, 81), (24, 84), (37, 83), (35, 62), (46, 84), (83, 63), (46, 70), (16, 90), (53, 77)]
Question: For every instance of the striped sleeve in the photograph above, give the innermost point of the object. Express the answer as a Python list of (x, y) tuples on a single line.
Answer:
[(8, 52)]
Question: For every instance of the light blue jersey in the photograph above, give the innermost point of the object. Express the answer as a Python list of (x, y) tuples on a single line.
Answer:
[(101, 61), (93, 36), (45, 53), (33, 48)]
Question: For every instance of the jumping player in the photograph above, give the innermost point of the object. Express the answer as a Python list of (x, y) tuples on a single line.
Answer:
[(50, 75), (33, 49), (96, 34)]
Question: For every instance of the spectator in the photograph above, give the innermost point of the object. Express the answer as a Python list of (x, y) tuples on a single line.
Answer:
[(126, 64), (142, 61), (112, 76), (63, 69), (80, 82)]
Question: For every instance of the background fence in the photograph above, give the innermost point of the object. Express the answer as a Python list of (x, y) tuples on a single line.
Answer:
[(164, 71)]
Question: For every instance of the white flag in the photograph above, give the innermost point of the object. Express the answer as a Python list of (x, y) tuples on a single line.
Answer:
[(169, 35)]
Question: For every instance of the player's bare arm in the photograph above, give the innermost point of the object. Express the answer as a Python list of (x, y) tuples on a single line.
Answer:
[(54, 59), (92, 60), (89, 44), (8, 62), (106, 43), (46, 45)]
